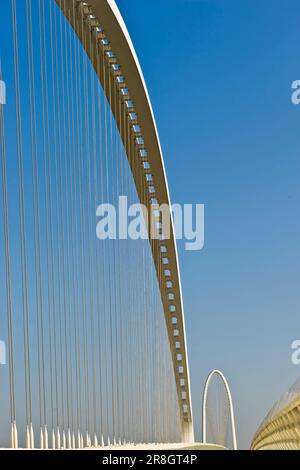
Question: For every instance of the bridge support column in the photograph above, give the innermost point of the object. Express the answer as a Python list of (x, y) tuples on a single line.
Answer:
[(187, 433)]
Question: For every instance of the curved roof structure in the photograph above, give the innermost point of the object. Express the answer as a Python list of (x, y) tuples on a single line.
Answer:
[(281, 429)]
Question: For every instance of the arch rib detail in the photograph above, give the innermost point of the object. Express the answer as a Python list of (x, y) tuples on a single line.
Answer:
[(103, 21)]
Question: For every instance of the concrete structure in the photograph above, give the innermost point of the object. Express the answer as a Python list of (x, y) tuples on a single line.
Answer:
[(280, 430)]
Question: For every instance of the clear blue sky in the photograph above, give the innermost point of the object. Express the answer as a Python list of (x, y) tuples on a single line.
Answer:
[(219, 74)]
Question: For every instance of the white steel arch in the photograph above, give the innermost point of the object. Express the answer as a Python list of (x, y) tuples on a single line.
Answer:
[(204, 413), (103, 19)]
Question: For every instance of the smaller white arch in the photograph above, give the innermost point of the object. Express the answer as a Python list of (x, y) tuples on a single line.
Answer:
[(204, 417)]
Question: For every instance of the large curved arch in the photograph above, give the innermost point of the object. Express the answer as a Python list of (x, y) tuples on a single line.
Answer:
[(204, 417), (103, 21)]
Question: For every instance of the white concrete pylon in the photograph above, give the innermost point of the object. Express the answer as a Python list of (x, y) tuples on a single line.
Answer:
[(69, 439), (58, 440), (31, 436), (88, 440), (78, 439), (63, 440), (14, 436), (28, 439), (16, 439), (53, 440), (46, 438), (41, 438)]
